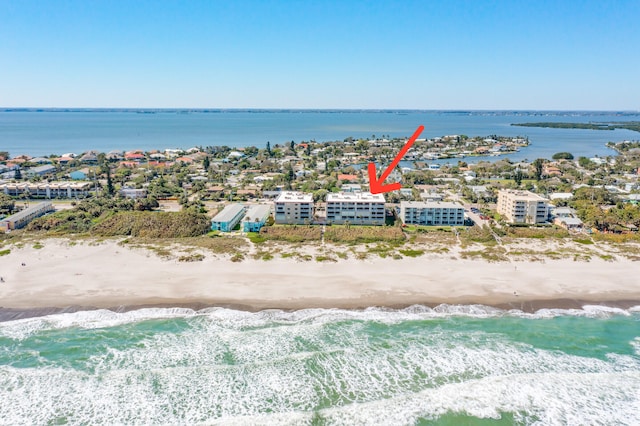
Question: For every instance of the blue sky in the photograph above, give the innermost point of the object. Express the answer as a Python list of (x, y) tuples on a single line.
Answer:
[(321, 54)]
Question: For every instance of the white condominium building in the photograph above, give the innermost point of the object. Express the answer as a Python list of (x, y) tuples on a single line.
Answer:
[(522, 206), (431, 213), (294, 208), (361, 208)]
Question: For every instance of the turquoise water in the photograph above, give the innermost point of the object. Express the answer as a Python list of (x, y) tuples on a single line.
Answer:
[(450, 365), (47, 132)]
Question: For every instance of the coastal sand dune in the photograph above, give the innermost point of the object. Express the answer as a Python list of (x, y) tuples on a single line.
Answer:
[(108, 275)]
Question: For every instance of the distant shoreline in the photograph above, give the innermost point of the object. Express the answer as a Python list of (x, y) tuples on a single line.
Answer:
[(634, 126), (325, 110)]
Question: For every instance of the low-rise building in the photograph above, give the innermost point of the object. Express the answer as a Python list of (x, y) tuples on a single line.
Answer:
[(133, 192), (434, 213), (522, 206), (566, 217), (363, 208), (41, 170), (256, 217), (47, 189), (293, 208), (570, 223), (228, 218), (23, 217), (351, 187), (78, 175)]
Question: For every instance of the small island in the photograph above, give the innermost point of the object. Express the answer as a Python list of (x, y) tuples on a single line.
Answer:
[(628, 125)]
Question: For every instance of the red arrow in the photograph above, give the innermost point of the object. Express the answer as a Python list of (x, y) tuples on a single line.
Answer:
[(376, 186)]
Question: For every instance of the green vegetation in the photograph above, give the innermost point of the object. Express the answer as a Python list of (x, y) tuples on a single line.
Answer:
[(495, 254), (363, 234), (583, 241), (196, 257), (7, 204), (256, 238), (87, 214), (325, 259), (616, 217), (237, 257), (38, 246), (624, 147), (291, 233), (562, 156), (411, 253), (218, 245), (4, 252), (536, 232), (629, 125), (153, 224)]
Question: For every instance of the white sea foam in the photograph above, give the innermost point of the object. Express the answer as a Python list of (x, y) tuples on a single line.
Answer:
[(286, 372), (100, 318), (235, 319), (549, 399)]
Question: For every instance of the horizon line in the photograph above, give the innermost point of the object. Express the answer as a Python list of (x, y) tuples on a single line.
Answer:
[(210, 109)]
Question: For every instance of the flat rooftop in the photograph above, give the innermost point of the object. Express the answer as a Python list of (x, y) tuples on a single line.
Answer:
[(294, 197), (522, 195), (44, 185), (429, 205), (355, 197)]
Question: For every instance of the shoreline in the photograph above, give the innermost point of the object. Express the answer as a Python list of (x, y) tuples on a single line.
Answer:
[(527, 307), (60, 276)]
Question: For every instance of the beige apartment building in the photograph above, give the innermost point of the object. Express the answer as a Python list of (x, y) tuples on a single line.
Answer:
[(518, 206)]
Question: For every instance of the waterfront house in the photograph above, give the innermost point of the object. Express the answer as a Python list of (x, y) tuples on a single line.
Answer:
[(228, 218), (255, 217)]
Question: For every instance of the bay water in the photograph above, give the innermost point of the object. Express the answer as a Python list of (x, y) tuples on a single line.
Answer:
[(47, 132)]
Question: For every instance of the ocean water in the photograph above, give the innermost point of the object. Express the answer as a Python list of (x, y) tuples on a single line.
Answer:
[(57, 132), (451, 365)]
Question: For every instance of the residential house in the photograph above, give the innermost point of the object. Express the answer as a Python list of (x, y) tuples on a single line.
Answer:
[(134, 193), (78, 175), (228, 218), (255, 217), (41, 170)]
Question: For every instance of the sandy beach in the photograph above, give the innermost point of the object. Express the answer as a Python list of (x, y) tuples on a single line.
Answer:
[(109, 275)]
